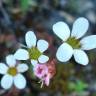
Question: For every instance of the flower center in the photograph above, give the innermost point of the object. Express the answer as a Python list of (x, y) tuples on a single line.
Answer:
[(12, 71), (40, 70), (34, 53), (75, 43)]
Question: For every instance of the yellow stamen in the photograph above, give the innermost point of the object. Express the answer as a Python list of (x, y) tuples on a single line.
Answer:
[(75, 43), (34, 53), (12, 71)]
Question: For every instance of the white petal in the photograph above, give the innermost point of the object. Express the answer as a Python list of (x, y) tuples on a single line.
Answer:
[(3, 68), (64, 52), (20, 81), (7, 81), (62, 30), (30, 39), (88, 42), (10, 60), (22, 67), (42, 45), (80, 27), (34, 62), (43, 59), (81, 57), (21, 54)]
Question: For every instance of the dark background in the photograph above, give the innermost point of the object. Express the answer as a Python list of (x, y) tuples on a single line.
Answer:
[(19, 16)]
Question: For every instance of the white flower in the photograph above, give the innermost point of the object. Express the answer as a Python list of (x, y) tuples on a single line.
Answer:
[(12, 73), (72, 45), (34, 51)]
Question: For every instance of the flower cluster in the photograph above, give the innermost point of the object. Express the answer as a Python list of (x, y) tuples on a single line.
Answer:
[(45, 72), (43, 68)]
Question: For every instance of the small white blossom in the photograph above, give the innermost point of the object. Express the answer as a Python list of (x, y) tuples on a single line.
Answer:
[(72, 45), (12, 73), (34, 50)]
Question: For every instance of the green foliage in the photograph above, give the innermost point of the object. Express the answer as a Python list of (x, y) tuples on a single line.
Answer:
[(78, 87), (24, 4)]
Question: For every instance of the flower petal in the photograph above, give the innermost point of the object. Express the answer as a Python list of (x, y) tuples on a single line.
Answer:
[(64, 52), (80, 27), (30, 39), (10, 60), (7, 81), (43, 59), (42, 45), (3, 68), (81, 57), (40, 70), (34, 62), (47, 80), (62, 30), (20, 81), (21, 54), (88, 42), (22, 67)]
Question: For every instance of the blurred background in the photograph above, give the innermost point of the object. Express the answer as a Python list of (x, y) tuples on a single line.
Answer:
[(19, 16)]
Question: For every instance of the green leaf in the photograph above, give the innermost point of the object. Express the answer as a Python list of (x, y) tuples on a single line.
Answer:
[(24, 4), (79, 86)]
